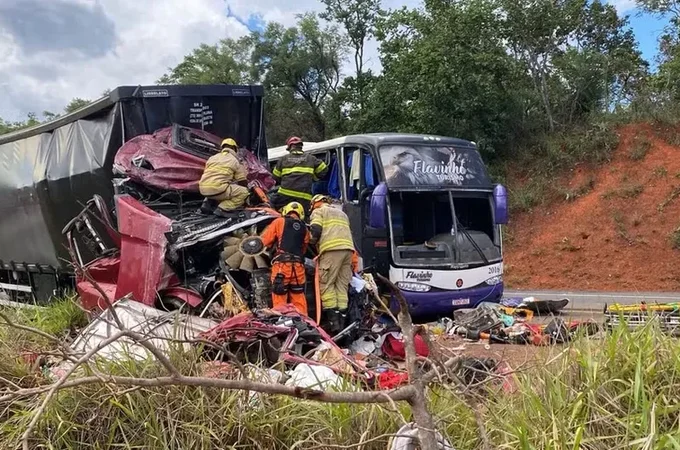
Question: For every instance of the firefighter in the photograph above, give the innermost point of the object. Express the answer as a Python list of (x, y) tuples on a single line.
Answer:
[(291, 237), (295, 173), (223, 183), (337, 259)]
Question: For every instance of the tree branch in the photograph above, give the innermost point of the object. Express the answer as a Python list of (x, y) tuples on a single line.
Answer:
[(418, 402)]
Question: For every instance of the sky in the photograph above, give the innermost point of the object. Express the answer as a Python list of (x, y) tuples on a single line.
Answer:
[(54, 50)]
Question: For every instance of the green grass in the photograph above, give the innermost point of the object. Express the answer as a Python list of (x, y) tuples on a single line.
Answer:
[(621, 391), (59, 318), (549, 157), (19, 348), (536, 191)]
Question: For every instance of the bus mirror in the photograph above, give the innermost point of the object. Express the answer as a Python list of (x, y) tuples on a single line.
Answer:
[(377, 216), (500, 200)]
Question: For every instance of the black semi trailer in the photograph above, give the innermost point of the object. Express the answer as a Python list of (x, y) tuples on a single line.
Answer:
[(48, 172)]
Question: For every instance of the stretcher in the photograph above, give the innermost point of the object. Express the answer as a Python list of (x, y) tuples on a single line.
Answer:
[(636, 316)]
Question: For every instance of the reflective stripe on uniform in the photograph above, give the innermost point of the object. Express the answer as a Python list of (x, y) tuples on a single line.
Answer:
[(320, 168), (297, 169), (335, 244), (219, 169), (324, 223), (338, 222), (334, 226), (291, 193), (276, 172)]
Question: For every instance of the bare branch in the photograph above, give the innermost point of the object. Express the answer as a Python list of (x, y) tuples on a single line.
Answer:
[(418, 402), (391, 396)]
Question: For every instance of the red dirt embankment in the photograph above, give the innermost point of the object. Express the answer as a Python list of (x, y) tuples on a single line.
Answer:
[(616, 237)]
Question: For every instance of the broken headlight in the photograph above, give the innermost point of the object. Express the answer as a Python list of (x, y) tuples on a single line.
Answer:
[(493, 281), (415, 287)]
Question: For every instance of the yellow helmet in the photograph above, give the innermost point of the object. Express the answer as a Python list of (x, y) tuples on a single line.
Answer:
[(319, 198), (230, 143), (294, 207)]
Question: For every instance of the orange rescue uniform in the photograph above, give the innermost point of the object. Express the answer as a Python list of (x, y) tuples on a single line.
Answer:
[(288, 270)]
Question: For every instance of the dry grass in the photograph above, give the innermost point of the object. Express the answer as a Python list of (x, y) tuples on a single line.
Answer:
[(622, 391), (628, 190)]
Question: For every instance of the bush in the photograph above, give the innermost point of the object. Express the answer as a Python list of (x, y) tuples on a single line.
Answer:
[(534, 192), (640, 147)]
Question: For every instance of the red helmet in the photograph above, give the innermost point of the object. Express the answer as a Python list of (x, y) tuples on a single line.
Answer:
[(293, 141)]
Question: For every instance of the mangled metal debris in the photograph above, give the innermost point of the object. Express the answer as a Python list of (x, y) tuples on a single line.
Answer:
[(163, 329)]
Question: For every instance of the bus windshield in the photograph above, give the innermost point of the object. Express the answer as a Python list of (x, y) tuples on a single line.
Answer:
[(435, 166), (427, 232)]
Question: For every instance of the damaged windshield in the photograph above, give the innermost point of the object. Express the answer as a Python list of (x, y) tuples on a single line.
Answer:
[(424, 230)]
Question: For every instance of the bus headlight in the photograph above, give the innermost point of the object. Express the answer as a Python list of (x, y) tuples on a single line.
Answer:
[(415, 287), (493, 281)]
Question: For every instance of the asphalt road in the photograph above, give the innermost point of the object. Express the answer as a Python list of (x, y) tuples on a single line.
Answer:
[(594, 302), (580, 303)]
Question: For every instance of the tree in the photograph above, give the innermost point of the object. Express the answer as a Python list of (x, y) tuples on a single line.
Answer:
[(661, 7), (536, 32), (359, 19), (451, 80), (580, 55), (76, 104), (665, 85), (48, 115), (304, 60), (9, 127), (226, 62), (299, 67)]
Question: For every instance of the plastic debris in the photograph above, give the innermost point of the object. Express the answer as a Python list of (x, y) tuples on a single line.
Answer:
[(407, 439), (363, 346), (358, 283), (159, 325), (317, 377)]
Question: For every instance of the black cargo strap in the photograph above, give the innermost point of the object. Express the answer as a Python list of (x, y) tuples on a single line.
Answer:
[(287, 257)]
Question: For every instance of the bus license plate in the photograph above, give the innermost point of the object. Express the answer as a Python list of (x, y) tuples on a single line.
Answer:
[(461, 301)]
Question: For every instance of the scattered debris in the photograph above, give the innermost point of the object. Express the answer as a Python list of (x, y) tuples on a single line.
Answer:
[(536, 306), (511, 322), (316, 377), (162, 328), (281, 335), (407, 439)]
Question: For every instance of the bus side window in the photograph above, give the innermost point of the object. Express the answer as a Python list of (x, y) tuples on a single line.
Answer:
[(330, 183), (353, 156), (320, 186), (367, 182), (369, 172)]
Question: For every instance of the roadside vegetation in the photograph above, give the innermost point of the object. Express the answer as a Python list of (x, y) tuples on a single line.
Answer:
[(620, 391), (537, 102)]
